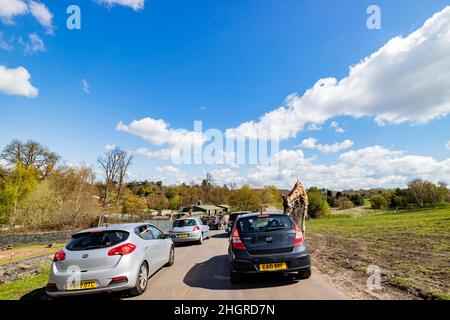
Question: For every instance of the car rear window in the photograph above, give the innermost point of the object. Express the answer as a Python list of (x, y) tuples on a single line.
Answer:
[(264, 223), (96, 240), (233, 216), (184, 223)]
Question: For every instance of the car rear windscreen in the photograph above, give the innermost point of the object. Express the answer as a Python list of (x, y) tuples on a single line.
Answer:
[(184, 223), (264, 223), (96, 240)]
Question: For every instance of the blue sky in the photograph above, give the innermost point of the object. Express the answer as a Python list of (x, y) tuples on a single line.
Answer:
[(226, 63)]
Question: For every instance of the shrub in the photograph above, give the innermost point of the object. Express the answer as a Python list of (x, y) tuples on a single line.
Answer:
[(318, 206), (357, 200), (378, 202), (345, 204)]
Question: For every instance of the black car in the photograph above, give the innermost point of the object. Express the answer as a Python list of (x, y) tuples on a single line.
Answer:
[(213, 222), (232, 218), (265, 243)]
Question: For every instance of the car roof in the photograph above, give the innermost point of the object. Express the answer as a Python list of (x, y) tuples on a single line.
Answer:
[(255, 214), (113, 227)]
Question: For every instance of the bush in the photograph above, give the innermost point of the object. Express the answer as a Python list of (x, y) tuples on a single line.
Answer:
[(345, 204), (378, 202), (318, 206), (357, 200)]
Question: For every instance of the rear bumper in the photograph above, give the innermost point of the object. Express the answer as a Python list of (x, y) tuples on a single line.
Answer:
[(243, 262), (193, 236), (103, 277)]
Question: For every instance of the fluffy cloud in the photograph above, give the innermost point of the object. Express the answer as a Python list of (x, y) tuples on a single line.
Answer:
[(136, 5), (34, 44), (311, 143), (11, 8), (16, 82), (365, 168), (406, 80), (174, 174), (159, 133), (42, 15)]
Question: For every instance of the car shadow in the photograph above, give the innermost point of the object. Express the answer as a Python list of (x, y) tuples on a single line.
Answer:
[(220, 235), (40, 294), (213, 274)]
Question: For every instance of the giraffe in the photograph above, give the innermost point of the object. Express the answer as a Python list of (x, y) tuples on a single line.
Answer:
[(296, 205)]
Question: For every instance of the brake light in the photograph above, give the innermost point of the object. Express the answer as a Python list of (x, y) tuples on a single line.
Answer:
[(122, 250), (118, 280), (236, 241), (196, 228), (298, 236), (263, 216), (59, 256)]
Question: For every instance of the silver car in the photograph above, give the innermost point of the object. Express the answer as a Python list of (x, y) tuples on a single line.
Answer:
[(189, 230), (112, 258)]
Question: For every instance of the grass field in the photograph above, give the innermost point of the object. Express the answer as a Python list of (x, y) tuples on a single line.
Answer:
[(411, 247), (16, 289), (27, 251)]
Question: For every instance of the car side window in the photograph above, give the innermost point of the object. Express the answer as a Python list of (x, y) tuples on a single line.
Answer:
[(144, 232), (157, 234)]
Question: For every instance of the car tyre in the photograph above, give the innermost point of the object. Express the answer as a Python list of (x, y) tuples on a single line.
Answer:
[(200, 241), (171, 257), (304, 274), (141, 281)]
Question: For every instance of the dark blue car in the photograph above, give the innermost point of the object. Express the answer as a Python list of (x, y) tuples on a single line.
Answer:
[(266, 243)]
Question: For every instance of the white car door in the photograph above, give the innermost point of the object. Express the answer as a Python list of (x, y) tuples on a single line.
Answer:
[(162, 256), (150, 247), (205, 228)]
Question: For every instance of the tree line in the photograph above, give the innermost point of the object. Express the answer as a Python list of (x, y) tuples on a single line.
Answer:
[(38, 190)]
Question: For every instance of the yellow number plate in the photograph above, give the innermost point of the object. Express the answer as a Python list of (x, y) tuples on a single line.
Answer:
[(182, 235), (83, 285), (273, 266)]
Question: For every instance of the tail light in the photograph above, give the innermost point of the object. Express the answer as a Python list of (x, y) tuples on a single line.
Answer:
[(236, 241), (51, 287), (122, 250), (118, 280), (59, 256), (298, 236), (196, 228)]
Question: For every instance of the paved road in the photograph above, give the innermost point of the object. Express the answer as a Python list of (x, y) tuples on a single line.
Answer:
[(201, 272)]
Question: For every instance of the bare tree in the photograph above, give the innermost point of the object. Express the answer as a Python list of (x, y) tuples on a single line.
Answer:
[(123, 162), (109, 164), (114, 165)]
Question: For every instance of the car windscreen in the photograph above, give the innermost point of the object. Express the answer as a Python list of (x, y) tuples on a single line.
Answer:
[(96, 240), (264, 223), (184, 223)]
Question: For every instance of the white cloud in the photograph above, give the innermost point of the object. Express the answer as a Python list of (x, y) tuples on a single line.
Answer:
[(16, 82), (365, 168), (336, 127), (136, 5), (311, 143), (42, 15), (34, 44), (407, 80), (85, 86), (159, 133), (110, 146), (447, 146), (11, 8), (175, 175)]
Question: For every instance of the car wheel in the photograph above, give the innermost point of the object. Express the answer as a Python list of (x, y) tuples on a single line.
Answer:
[(141, 281), (304, 274), (200, 241), (171, 257)]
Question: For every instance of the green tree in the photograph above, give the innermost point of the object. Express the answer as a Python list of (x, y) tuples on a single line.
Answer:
[(133, 205), (378, 202), (318, 206), (246, 199), (16, 187), (357, 200)]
